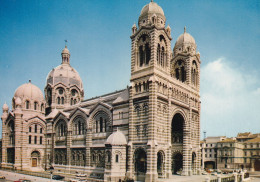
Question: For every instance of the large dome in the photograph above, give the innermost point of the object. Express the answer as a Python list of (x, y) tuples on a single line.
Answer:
[(66, 75), (29, 91), (152, 8)]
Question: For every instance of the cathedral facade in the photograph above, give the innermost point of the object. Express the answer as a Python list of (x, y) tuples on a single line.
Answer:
[(149, 130)]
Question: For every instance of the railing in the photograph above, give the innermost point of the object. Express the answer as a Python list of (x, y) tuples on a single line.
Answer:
[(228, 179)]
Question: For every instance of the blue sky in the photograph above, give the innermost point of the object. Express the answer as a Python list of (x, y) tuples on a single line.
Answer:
[(227, 34)]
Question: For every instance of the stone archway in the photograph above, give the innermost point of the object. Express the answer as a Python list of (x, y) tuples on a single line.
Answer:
[(160, 163), (193, 162), (140, 161), (177, 162), (177, 129)]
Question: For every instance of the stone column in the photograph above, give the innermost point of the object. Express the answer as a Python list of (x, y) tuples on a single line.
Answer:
[(68, 146), (130, 169), (151, 173), (18, 138), (88, 146), (4, 137), (186, 152)]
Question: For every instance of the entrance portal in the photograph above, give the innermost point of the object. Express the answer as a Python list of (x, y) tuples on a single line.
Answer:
[(177, 163), (35, 157), (140, 161)]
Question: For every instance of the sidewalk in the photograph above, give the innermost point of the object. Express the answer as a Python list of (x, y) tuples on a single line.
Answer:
[(16, 176)]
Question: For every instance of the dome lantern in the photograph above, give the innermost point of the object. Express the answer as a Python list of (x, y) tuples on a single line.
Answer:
[(65, 55), (5, 107)]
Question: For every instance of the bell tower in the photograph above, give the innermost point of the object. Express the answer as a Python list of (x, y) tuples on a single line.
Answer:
[(164, 102), (150, 64)]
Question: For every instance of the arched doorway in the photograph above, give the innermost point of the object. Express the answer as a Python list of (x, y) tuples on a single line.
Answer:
[(257, 165), (160, 164), (193, 161), (177, 129), (35, 157), (140, 161), (176, 163)]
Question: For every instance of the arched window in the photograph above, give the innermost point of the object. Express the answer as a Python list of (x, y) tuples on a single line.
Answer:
[(102, 120), (179, 71), (79, 126), (42, 107), (27, 103), (144, 50), (30, 139), (161, 52), (117, 158), (61, 128), (49, 96), (101, 124), (35, 105), (62, 100), (58, 100), (194, 73)]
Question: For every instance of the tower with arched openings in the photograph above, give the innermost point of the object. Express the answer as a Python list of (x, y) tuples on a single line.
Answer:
[(164, 112)]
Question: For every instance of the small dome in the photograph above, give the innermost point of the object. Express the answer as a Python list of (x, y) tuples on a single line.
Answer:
[(18, 101), (152, 8), (28, 91), (65, 51), (66, 75), (116, 138), (185, 38), (185, 43), (5, 107)]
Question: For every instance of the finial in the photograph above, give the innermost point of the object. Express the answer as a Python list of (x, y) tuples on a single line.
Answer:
[(66, 43), (151, 0), (30, 81), (185, 29)]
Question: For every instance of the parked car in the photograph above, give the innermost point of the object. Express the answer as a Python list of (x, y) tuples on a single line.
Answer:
[(2, 177), (81, 175), (58, 177), (78, 180)]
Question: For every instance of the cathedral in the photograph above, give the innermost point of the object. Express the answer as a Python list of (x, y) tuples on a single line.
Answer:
[(147, 131)]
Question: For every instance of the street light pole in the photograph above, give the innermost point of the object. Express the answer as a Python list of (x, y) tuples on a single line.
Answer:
[(51, 170)]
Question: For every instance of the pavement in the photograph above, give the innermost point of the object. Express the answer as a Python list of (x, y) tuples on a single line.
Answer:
[(16, 176), (11, 176)]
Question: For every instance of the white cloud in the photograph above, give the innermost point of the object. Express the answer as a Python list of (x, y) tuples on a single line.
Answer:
[(230, 99)]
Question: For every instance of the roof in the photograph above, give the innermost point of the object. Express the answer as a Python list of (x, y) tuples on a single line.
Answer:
[(123, 97), (228, 140), (254, 140)]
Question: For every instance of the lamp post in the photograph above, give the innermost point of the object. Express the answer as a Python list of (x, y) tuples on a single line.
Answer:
[(51, 169)]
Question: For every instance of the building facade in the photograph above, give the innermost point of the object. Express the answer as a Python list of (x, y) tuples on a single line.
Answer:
[(147, 131), (241, 152), (209, 152)]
